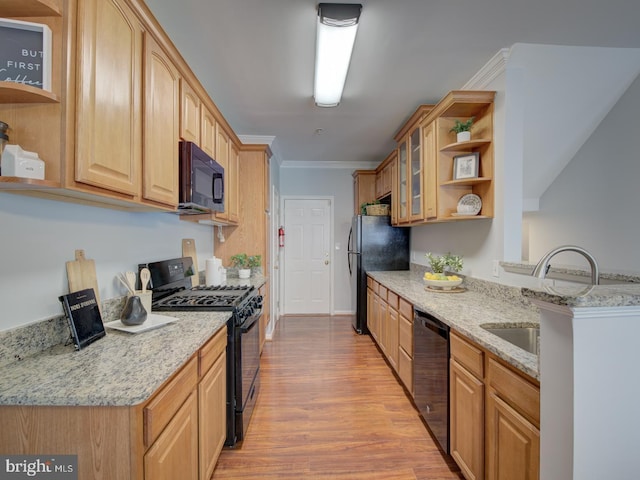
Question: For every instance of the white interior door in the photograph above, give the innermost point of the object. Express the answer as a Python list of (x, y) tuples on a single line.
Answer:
[(307, 256)]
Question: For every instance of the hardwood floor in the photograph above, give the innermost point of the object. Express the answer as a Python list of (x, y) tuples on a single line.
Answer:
[(330, 408)]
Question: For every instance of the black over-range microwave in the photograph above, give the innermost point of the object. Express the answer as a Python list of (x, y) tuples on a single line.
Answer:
[(201, 181)]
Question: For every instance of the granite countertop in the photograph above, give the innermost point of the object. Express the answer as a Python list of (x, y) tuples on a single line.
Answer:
[(623, 295), (466, 311), (120, 369)]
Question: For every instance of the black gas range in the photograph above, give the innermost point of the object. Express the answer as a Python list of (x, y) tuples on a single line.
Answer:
[(172, 290)]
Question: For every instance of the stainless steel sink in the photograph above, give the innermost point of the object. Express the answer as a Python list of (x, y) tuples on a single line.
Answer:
[(526, 338)]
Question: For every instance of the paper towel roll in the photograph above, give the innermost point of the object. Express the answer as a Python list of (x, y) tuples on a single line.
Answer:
[(213, 275)]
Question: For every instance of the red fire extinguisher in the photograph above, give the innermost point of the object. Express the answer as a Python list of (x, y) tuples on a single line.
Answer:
[(281, 236)]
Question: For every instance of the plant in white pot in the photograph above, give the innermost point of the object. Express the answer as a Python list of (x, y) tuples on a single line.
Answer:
[(255, 261), (245, 263), (463, 130), (241, 262)]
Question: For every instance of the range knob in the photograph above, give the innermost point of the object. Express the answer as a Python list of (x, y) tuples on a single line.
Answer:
[(257, 301)]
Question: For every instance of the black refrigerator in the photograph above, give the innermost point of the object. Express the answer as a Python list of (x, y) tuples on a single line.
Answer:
[(374, 245)]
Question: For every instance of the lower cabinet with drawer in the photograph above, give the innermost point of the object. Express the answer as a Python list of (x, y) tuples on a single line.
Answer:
[(405, 343), (185, 422), (177, 433), (494, 415), (466, 411), (390, 322)]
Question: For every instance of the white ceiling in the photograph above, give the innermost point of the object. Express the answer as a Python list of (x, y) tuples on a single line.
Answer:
[(255, 58)]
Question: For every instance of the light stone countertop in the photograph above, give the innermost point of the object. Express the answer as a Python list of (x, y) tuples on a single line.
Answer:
[(466, 311), (120, 369), (623, 295)]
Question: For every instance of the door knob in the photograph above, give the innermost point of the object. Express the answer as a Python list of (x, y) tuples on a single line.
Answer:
[(326, 262)]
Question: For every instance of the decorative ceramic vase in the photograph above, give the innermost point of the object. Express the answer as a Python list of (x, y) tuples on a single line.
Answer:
[(133, 312), (463, 136), (244, 272)]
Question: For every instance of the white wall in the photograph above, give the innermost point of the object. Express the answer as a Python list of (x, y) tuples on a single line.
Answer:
[(338, 183), (595, 201), (38, 236)]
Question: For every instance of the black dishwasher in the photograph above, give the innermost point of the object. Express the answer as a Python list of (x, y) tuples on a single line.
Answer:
[(431, 374)]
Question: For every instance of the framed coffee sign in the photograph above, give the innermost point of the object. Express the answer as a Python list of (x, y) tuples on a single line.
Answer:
[(25, 53)]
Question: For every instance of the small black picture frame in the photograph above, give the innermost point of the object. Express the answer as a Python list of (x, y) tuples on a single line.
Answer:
[(466, 166)]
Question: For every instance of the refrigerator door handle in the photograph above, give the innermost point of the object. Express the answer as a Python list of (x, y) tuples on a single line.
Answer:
[(349, 250)]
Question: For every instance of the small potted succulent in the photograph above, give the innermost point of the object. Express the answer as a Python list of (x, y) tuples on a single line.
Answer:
[(463, 130)]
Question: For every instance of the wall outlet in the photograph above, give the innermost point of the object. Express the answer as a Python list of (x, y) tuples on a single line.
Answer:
[(495, 268)]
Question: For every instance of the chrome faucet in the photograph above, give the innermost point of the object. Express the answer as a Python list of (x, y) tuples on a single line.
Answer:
[(543, 265)]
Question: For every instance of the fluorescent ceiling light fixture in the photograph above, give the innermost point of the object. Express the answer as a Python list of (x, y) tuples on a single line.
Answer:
[(337, 27)]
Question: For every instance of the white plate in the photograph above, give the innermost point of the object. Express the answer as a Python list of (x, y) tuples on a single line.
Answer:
[(153, 321), (471, 200)]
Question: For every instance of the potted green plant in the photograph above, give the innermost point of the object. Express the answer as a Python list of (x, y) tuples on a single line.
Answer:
[(463, 130), (245, 263), (241, 262), (255, 261), (448, 262)]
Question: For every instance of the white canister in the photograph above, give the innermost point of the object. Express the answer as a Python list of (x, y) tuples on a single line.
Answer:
[(213, 273)]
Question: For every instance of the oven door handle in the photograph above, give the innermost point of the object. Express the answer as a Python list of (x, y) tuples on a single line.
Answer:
[(249, 324)]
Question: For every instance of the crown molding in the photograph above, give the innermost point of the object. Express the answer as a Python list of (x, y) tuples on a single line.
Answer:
[(264, 140), (491, 70), (326, 165), (257, 139)]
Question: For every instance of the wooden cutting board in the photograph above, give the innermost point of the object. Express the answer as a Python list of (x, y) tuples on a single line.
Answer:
[(81, 274), (189, 250)]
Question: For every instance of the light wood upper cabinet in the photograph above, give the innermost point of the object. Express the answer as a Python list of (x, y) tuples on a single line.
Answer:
[(364, 187), (410, 183), (29, 8), (232, 184), (109, 87), (222, 157), (189, 113), (108, 130), (462, 105), (430, 176), (161, 124), (425, 188), (250, 235), (208, 132), (383, 177)]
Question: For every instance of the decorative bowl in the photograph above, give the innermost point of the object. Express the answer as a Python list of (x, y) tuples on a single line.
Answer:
[(442, 284)]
